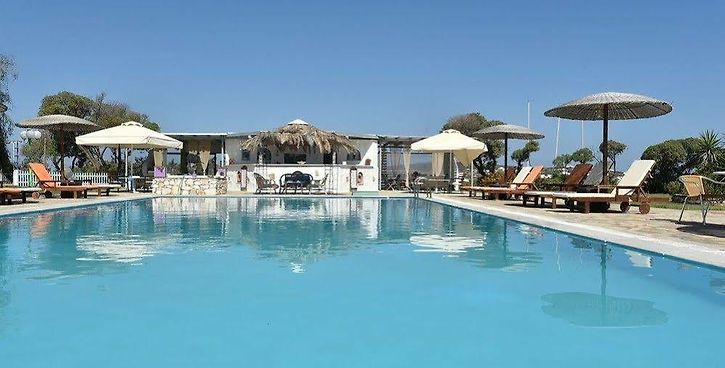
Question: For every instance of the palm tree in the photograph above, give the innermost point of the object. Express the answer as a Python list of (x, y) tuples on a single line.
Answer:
[(710, 148)]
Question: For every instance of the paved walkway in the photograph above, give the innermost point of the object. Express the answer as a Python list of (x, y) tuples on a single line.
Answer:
[(656, 232), (59, 203)]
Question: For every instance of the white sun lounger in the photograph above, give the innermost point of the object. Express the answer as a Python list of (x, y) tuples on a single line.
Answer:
[(629, 188)]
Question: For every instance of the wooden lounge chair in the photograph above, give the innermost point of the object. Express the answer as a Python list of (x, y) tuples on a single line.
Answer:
[(51, 186), (695, 190), (107, 187), (630, 188), (9, 192), (517, 188), (518, 179), (264, 184), (571, 184)]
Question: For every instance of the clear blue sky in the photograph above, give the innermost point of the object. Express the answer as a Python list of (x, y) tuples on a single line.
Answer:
[(392, 67)]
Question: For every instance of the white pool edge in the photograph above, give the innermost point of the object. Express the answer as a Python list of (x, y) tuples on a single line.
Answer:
[(662, 246)]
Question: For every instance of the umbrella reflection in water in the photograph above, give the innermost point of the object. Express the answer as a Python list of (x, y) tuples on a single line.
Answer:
[(601, 310)]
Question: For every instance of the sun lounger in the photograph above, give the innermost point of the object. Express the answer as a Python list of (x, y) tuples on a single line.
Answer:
[(514, 183), (51, 186), (515, 188), (9, 192), (572, 183), (630, 188)]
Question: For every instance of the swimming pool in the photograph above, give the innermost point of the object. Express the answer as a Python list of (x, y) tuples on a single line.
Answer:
[(339, 282)]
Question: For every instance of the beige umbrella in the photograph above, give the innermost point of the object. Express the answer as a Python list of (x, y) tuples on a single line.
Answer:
[(610, 106), (61, 124), (506, 132), (465, 148), (131, 135)]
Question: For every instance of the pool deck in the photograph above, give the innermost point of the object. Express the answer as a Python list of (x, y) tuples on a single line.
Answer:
[(46, 204), (656, 232)]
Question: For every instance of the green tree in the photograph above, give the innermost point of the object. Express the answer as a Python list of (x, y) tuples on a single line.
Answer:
[(582, 155), (67, 103), (105, 113), (563, 160), (614, 149), (8, 73), (468, 124), (39, 150), (710, 151), (523, 154), (672, 158)]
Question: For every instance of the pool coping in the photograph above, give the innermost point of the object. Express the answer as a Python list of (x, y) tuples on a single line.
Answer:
[(663, 246)]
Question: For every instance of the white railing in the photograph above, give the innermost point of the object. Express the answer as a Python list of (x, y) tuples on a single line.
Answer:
[(26, 178)]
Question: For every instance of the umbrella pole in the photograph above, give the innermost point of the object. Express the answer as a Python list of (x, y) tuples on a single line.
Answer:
[(62, 154), (505, 157), (605, 148)]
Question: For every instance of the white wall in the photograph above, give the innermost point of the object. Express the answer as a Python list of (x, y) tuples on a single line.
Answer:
[(338, 176)]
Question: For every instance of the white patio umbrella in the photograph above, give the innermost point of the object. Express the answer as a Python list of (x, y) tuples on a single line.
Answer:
[(465, 148), (129, 135)]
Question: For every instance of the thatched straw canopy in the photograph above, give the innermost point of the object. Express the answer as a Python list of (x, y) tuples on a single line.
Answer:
[(59, 123), (508, 131), (299, 135), (620, 106)]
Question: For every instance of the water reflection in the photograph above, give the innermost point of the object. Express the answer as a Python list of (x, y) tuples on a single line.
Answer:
[(601, 310)]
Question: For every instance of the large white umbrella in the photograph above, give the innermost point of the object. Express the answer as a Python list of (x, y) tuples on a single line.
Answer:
[(129, 135), (465, 148), (610, 106)]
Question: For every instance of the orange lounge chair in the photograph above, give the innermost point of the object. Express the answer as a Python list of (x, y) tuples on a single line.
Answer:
[(571, 184), (50, 186), (514, 182), (517, 189)]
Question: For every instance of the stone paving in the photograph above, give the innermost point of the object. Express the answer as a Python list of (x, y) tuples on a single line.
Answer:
[(657, 231)]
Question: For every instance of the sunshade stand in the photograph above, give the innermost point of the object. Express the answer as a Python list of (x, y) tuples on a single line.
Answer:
[(506, 132), (60, 124), (610, 106)]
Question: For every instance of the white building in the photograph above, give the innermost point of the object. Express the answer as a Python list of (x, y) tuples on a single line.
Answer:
[(344, 172)]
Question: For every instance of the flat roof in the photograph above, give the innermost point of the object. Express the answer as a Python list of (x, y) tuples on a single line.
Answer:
[(388, 140)]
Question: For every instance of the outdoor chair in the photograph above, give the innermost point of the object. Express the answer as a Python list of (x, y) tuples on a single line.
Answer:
[(70, 178), (420, 184), (695, 190), (319, 185), (264, 184), (51, 186), (296, 180), (517, 180), (629, 189), (572, 183), (7, 193), (519, 185)]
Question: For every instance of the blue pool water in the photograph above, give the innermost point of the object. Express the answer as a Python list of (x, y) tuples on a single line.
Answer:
[(272, 282)]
